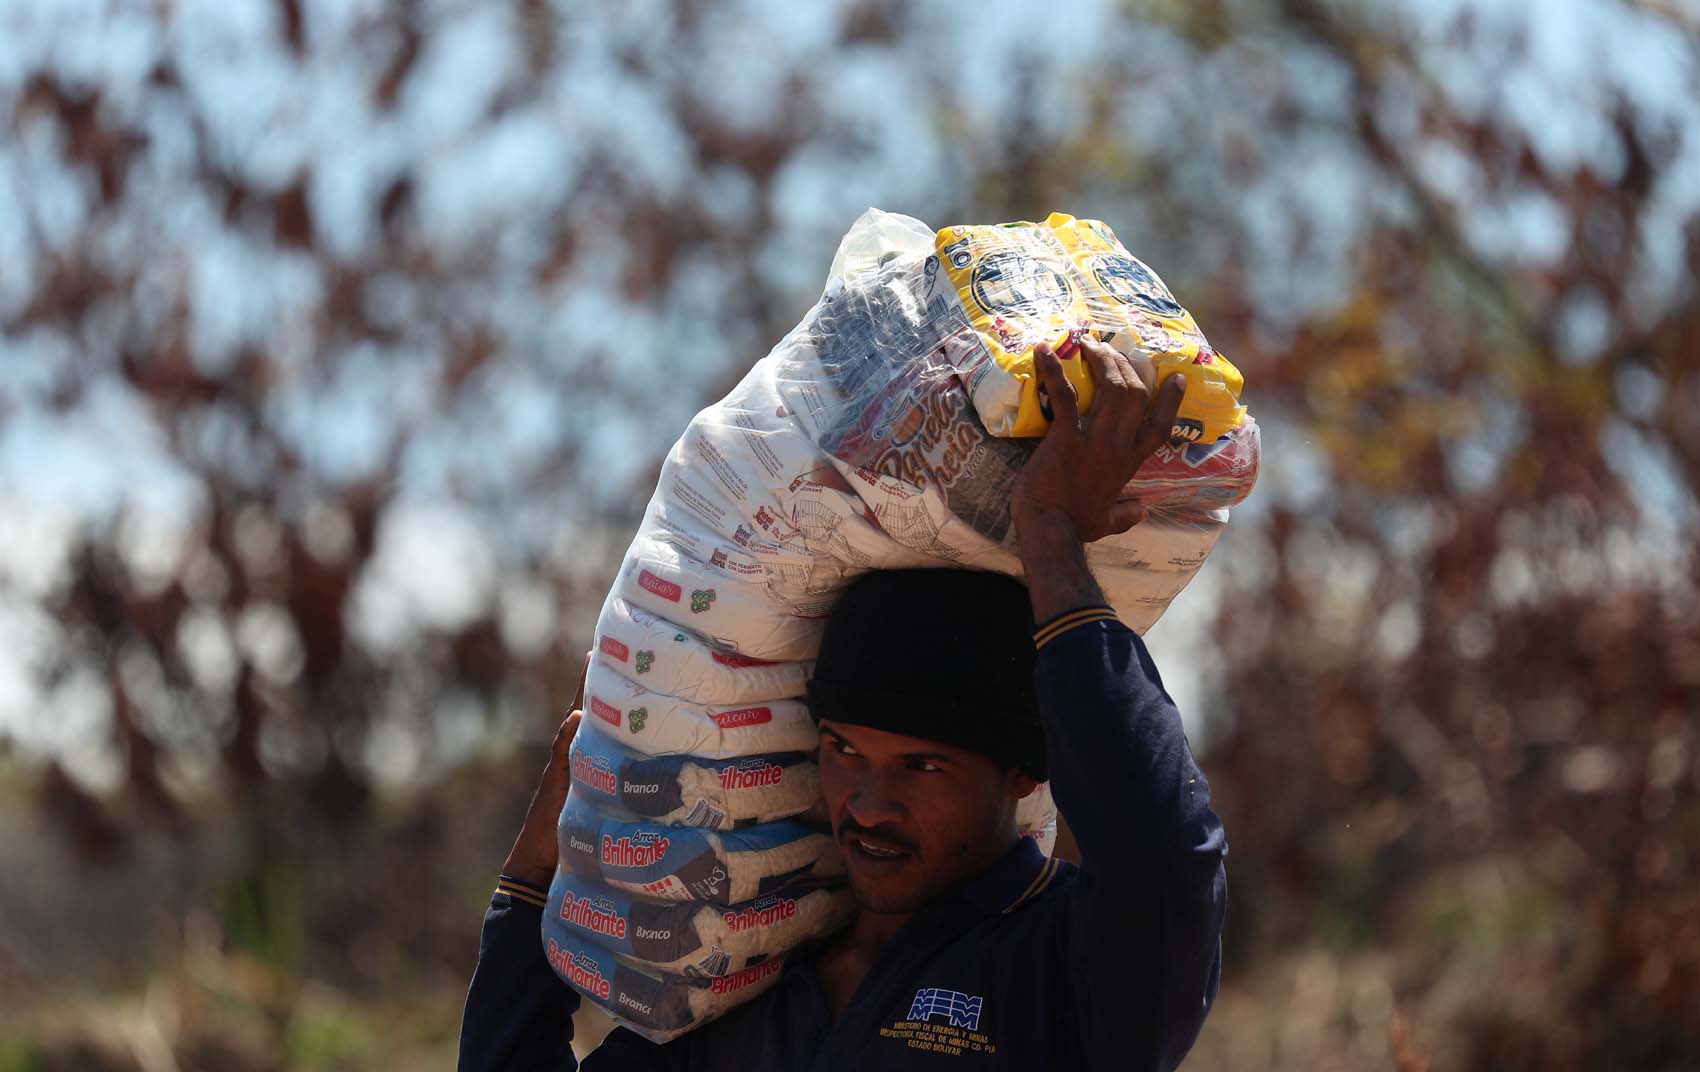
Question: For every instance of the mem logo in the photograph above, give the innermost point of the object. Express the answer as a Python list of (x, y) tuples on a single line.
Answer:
[(962, 1010)]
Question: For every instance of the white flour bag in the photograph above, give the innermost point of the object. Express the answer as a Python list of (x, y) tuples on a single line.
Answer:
[(669, 659), (657, 724)]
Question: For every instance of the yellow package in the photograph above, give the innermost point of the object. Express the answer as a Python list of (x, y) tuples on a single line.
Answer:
[(1019, 291), (1022, 284), (1120, 289)]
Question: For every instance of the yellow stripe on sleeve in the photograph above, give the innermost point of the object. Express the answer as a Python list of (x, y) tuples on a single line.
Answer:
[(521, 892), (1071, 620), (1037, 886)]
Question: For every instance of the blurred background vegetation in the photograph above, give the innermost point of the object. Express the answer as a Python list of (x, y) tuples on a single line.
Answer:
[(340, 341)]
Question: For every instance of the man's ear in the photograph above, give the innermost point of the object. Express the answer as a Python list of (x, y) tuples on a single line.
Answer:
[(1020, 784)]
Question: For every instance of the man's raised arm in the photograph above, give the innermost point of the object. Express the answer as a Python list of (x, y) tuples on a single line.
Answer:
[(1146, 920)]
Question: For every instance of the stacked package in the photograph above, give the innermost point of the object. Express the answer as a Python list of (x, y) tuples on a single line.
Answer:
[(687, 869), (885, 431)]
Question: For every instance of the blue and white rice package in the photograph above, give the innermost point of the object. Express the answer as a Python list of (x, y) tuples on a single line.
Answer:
[(658, 1007), (691, 939), (722, 794), (672, 863)]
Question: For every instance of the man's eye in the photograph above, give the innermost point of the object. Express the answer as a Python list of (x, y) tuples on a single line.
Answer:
[(843, 747), (926, 766)]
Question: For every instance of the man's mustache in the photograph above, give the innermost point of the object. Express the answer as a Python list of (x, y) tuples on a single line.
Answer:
[(879, 835)]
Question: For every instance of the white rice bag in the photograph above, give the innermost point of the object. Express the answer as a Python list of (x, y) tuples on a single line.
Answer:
[(709, 596), (668, 658), (657, 724)]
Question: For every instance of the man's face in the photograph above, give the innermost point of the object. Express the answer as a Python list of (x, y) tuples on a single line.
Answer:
[(913, 817)]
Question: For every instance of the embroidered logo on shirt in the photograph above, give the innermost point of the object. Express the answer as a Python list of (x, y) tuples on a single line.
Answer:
[(961, 1010), (942, 1021)]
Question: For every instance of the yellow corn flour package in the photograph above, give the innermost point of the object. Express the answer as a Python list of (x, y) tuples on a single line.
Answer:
[(1026, 283)]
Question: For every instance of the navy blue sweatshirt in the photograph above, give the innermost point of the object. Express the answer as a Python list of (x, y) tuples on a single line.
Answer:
[(1034, 964)]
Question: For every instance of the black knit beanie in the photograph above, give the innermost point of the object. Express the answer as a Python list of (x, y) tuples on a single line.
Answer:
[(941, 654)]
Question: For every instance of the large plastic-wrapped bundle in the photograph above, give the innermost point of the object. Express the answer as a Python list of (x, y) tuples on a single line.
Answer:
[(885, 431), (865, 439)]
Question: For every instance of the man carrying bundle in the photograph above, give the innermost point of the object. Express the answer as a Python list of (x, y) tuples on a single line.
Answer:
[(941, 705)]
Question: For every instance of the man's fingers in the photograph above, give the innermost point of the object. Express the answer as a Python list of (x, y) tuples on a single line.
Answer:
[(1054, 385), (584, 672), (564, 738), (1138, 395), (1160, 420), (1110, 380), (1143, 367), (569, 727), (1101, 358)]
